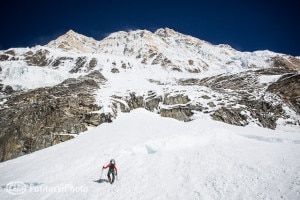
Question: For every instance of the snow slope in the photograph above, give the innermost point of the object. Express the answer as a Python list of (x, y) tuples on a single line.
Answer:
[(161, 158)]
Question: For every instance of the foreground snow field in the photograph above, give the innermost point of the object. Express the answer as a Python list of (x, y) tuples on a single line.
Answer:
[(161, 158)]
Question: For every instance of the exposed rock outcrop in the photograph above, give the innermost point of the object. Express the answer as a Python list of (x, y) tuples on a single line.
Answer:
[(4, 57), (80, 62), (176, 106), (287, 62), (8, 89), (42, 117), (60, 61), (152, 101), (288, 88), (265, 112), (182, 113), (230, 116), (37, 59), (244, 97)]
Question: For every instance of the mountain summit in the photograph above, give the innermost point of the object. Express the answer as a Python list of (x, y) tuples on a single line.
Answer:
[(72, 41)]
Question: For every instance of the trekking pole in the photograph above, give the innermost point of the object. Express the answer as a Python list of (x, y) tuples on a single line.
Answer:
[(101, 174)]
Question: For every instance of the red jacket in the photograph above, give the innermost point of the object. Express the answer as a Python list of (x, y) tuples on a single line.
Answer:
[(109, 165)]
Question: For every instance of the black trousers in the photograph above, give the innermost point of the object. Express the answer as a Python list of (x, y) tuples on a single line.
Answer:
[(112, 174)]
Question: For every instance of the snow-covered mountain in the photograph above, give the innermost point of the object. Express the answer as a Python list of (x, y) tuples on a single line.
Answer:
[(73, 86), (75, 82), (120, 51)]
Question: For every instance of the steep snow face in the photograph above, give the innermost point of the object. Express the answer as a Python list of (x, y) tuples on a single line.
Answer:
[(20, 76), (161, 158), (165, 50), (166, 47)]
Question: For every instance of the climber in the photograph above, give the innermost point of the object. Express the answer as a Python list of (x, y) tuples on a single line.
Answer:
[(112, 170)]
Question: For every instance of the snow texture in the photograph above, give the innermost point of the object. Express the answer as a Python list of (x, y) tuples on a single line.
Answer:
[(161, 158)]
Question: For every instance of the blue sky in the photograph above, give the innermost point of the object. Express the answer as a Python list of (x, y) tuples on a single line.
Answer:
[(245, 25)]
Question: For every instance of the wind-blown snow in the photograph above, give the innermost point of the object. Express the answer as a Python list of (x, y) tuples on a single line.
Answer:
[(162, 158)]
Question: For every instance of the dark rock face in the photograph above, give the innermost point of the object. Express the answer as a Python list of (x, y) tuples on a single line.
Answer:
[(11, 52), (265, 112), (244, 93), (239, 82), (135, 101), (131, 102), (288, 89), (80, 62), (37, 59), (60, 60), (92, 63), (8, 89), (182, 113), (3, 57), (176, 107), (96, 75), (94, 119), (172, 106), (230, 116), (290, 62), (115, 70), (161, 60), (46, 116), (152, 101)]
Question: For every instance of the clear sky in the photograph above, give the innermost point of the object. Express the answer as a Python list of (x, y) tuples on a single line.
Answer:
[(245, 25)]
